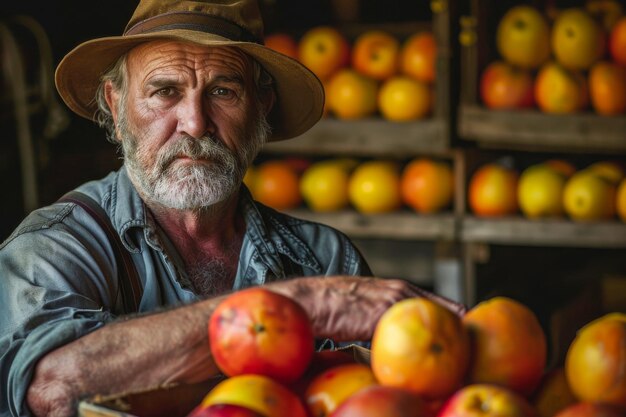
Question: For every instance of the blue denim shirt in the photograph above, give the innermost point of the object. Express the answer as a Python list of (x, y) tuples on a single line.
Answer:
[(59, 279)]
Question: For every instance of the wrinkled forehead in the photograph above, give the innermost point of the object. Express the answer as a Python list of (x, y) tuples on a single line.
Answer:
[(173, 54)]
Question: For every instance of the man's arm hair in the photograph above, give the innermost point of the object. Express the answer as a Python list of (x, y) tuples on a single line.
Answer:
[(130, 354)]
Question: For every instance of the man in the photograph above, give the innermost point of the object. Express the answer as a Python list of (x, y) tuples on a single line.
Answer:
[(191, 95)]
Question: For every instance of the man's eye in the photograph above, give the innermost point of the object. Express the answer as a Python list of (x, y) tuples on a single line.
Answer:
[(220, 91), (165, 92)]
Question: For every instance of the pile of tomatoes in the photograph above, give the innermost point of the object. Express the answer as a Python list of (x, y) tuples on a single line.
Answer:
[(425, 361)]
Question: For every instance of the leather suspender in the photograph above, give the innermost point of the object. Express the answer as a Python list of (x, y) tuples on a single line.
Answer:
[(128, 279)]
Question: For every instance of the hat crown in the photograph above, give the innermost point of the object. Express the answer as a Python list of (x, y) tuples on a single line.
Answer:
[(244, 14), (299, 96)]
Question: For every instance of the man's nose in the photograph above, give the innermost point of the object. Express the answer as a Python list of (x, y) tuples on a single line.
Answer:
[(193, 117)]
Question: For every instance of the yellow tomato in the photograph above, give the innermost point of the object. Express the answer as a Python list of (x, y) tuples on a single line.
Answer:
[(589, 197), (351, 95), (403, 98), (324, 186), (540, 191), (333, 386), (596, 359), (258, 393), (374, 187)]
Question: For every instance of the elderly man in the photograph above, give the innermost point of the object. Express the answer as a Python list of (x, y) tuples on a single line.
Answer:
[(191, 95)]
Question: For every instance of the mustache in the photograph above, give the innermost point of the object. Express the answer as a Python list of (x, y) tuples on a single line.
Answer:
[(206, 147)]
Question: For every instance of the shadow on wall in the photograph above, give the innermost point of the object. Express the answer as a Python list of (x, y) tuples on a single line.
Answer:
[(46, 150)]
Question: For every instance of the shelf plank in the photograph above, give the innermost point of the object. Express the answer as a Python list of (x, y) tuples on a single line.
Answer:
[(561, 232), (404, 225), (407, 225), (533, 130), (368, 137)]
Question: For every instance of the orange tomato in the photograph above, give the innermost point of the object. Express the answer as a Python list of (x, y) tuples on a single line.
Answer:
[(565, 168), (486, 400), (276, 184), (418, 55), (607, 88), (509, 346), (617, 41), (324, 50), (249, 179), (559, 90), (321, 361), (504, 86), (493, 191), (611, 170), (283, 43), (375, 54), (258, 393), (427, 185), (421, 346), (351, 95), (332, 387), (596, 359), (380, 400), (249, 327)]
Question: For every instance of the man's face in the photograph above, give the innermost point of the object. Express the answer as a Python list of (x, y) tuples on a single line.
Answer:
[(190, 123)]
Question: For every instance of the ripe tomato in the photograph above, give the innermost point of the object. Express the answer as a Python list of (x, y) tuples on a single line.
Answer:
[(257, 331)]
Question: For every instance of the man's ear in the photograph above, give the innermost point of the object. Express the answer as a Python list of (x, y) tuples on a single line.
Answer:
[(112, 96)]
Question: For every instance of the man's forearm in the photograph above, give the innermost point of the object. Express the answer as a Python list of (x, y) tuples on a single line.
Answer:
[(132, 354), (147, 351)]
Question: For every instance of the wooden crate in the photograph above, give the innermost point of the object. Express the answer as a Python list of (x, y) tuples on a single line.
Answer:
[(175, 400), (375, 136), (528, 129)]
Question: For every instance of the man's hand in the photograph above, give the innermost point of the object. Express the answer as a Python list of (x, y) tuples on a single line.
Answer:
[(346, 308)]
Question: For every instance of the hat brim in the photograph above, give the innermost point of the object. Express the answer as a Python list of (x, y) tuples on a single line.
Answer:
[(299, 93)]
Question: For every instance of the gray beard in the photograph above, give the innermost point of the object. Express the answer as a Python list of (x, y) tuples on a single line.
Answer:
[(215, 176), (185, 186)]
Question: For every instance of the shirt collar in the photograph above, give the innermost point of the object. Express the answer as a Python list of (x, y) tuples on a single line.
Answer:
[(130, 212), (273, 237)]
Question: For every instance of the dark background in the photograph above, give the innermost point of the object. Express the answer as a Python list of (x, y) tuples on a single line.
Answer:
[(80, 152)]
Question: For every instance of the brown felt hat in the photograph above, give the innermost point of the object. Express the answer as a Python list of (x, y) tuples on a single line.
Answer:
[(237, 23)]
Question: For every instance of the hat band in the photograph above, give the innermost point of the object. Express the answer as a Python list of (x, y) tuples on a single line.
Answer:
[(193, 21)]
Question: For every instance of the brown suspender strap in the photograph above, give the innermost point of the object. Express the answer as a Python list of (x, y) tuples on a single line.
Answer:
[(129, 283)]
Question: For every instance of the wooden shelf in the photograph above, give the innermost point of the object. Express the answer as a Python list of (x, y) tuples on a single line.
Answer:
[(372, 137), (564, 233), (533, 130), (403, 225)]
